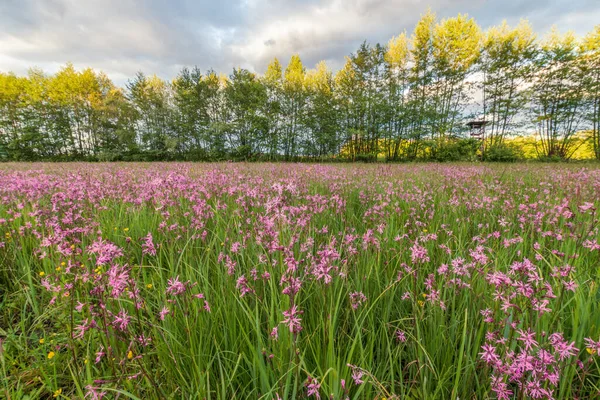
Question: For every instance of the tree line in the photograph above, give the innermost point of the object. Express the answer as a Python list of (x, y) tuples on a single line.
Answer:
[(406, 100)]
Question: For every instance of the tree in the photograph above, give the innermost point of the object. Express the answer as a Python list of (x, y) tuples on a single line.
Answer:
[(406, 100), (420, 81), (590, 68), (246, 98), (557, 95), (321, 114), (507, 66), (456, 47), (397, 88), (292, 107), (189, 92), (273, 82), (151, 100)]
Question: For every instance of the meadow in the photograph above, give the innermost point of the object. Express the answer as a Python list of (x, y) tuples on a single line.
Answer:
[(291, 281)]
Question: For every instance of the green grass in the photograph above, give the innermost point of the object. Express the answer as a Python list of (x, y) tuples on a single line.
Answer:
[(228, 352)]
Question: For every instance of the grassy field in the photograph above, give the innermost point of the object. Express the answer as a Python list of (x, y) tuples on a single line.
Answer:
[(265, 281)]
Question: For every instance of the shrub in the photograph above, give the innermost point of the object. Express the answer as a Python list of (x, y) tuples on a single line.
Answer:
[(503, 152), (455, 150)]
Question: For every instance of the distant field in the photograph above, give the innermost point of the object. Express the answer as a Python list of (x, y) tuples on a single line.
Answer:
[(291, 281)]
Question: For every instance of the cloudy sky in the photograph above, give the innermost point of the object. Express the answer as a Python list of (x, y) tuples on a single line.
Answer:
[(121, 37)]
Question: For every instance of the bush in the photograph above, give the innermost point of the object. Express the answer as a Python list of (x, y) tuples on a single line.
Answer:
[(241, 153), (454, 150), (197, 154), (107, 156), (366, 158), (503, 152)]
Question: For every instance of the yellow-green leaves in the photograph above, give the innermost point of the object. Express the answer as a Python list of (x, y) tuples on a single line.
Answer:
[(320, 79), (294, 75), (397, 51), (421, 40), (274, 72), (345, 79), (503, 43), (456, 43)]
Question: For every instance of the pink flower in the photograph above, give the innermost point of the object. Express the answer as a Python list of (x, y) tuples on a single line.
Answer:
[(356, 299), (79, 306), (118, 277), (418, 254), (500, 388), (570, 285), (121, 320), (99, 354), (357, 374), (175, 286), (242, 285), (312, 388), (94, 393), (148, 245), (527, 338), (593, 345), (83, 328), (293, 287), (292, 320), (586, 206), (400, 336), (565, 349), (489, 355), (163, 313), (106, 251)]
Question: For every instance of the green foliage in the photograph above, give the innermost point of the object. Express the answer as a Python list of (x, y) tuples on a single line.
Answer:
[(453, 149), (396, 101), (503, 152)]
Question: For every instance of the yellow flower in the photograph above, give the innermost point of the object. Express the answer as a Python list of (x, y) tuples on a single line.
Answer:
[(85, 361), (421, 303), (115, 228), (591, 351), (42, 273), (424, 295), (130, 355), (72, 247), (57, 393), (58, 269), (149, 286), (63, 263), (51, 355), (42, 341), (126, 229)]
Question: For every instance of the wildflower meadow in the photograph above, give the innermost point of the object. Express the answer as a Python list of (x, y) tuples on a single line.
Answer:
[(293, 281)]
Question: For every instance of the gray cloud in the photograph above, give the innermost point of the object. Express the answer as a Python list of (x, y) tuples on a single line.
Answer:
[(121, 37)]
